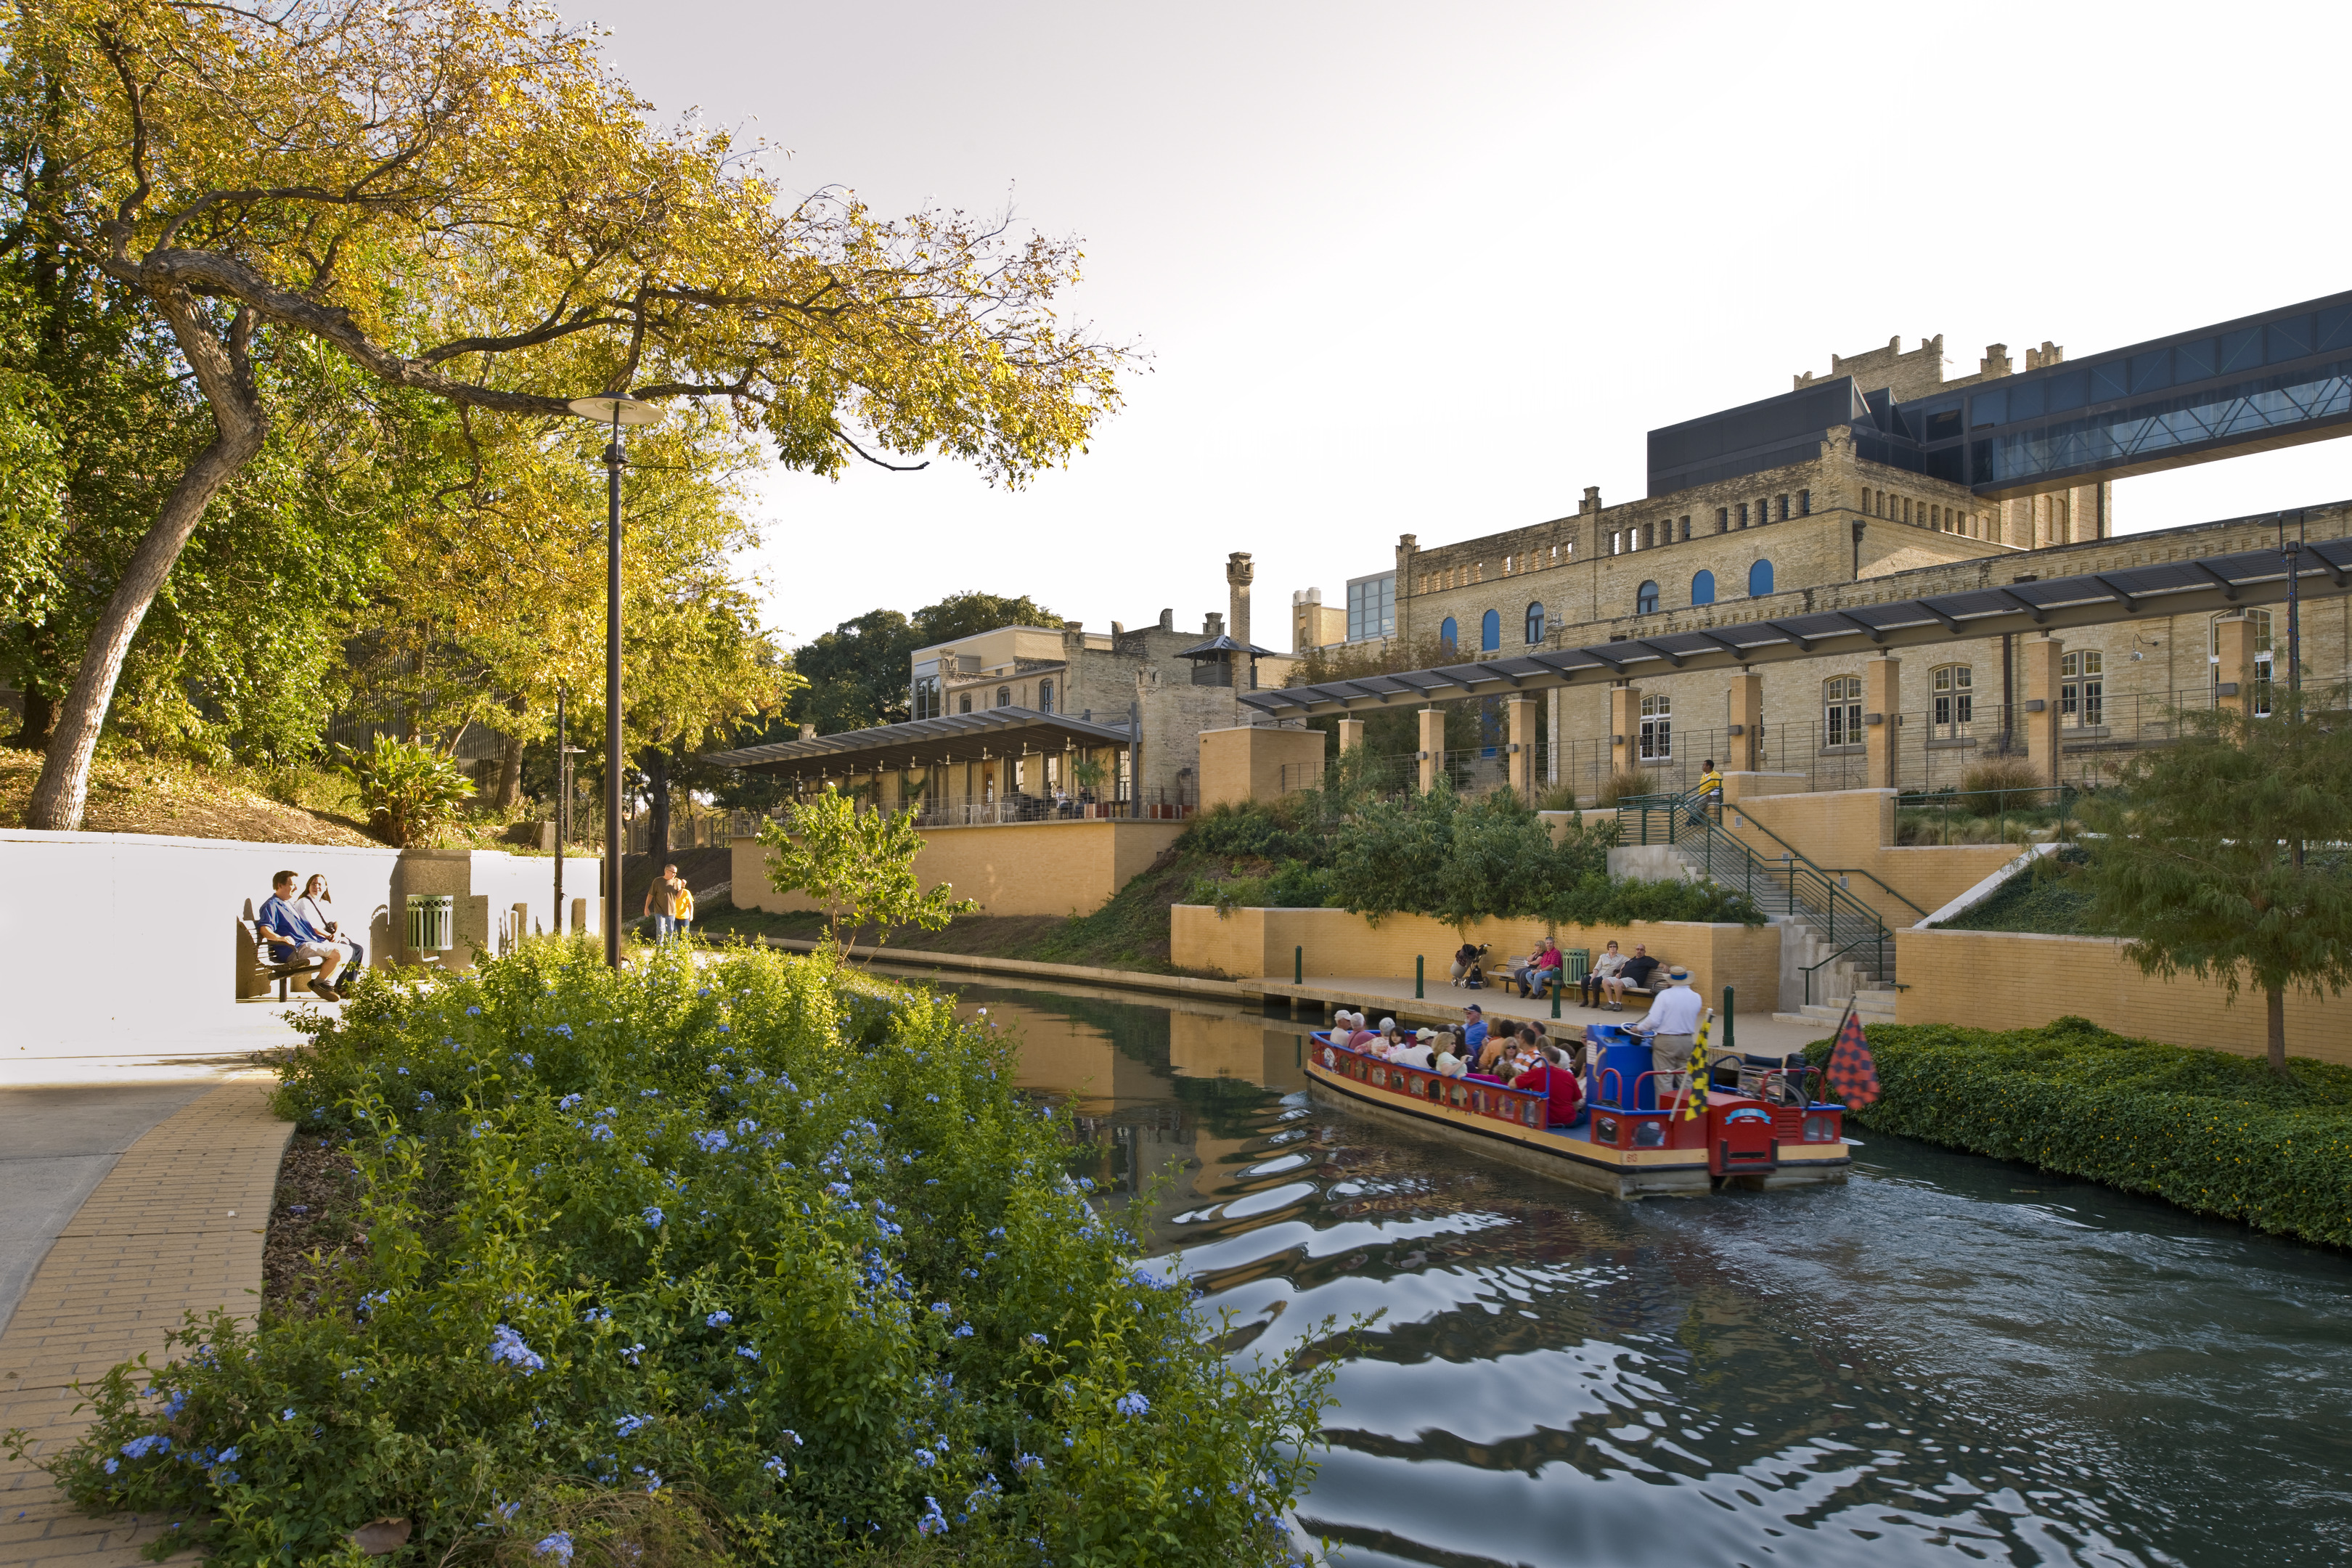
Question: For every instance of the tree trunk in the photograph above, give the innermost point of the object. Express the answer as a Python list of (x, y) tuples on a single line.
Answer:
[(511, 760), (2275, 1005), (224, 372), (41, 720)]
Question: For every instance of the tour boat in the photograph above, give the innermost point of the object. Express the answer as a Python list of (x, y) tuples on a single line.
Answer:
[(1630, 1142)]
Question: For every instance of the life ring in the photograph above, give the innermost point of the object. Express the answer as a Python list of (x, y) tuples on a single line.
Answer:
[(1330, 1058)]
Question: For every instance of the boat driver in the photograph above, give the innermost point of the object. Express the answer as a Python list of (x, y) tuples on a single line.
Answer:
[(1672, 1027)]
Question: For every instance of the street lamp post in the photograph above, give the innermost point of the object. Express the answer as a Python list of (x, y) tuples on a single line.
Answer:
[(618, 412)]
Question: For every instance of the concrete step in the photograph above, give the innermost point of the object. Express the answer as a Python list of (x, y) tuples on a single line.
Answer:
[(1875, 1007)]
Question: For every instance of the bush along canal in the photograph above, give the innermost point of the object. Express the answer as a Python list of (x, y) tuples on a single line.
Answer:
[(760, 1263), (1950, 1358)]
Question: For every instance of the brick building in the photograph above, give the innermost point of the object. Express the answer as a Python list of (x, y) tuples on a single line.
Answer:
[(1886, 480)]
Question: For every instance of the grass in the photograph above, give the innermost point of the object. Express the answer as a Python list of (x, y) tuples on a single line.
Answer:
[(2047, 898), (182, 799)]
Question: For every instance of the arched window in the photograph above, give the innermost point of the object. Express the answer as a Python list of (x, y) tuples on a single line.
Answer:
[(1952, 696), (963, 703), (1842, 710), (1490, 632), (1535, 623), (1005, 697), (1448, 633), (1645, 599), (1658, 729), (1702, 588), (1044, 697), (1759, 579)]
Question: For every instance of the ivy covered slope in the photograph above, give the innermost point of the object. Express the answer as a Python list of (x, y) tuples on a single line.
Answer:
[(762, 1264), (2210, 1131)]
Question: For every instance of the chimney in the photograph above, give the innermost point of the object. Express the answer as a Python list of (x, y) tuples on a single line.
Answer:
[(808, 732), (1167, 620), (1212, 625), (1239, 570)]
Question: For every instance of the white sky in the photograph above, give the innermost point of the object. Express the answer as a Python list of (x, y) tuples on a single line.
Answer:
[(1436, 268)]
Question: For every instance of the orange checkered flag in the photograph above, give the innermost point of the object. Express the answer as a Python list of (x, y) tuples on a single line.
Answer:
[(1853, 1073)]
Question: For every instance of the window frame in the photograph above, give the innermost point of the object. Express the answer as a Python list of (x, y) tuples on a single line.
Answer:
[(1841, 711)]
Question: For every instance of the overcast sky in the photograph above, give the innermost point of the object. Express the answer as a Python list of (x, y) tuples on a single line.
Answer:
[(1436, 268)]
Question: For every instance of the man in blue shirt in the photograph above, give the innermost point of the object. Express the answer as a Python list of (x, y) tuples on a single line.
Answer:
[(291, 937), (1475, 1036)]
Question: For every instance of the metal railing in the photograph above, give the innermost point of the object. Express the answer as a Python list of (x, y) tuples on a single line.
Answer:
[(1953, 816), (1793, 887)]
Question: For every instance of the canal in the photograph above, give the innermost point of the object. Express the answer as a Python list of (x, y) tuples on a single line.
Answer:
[(1947, 1359)]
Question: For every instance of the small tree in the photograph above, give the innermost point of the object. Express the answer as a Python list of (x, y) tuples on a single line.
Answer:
[(859, 866), (2224, 857), (409, 790)]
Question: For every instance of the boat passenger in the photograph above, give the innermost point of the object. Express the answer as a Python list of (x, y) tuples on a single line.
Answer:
[(1416, 1052), (1548, 1074), (1448, 1064), (1608, 963), (1473, 1025), (1672, 1025)]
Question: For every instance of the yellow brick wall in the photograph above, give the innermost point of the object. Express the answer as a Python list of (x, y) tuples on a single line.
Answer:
[(1849, 828), (1251, 943), (1258, 762), (2005, 980), (1015, 868)]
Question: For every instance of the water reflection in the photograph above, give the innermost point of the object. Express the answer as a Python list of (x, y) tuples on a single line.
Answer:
[(1947, 1359)]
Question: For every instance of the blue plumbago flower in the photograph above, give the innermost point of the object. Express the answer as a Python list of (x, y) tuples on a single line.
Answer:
[(1037, 1339), (932, 1097), (793, 1435), (749, 1352), (402, 1071), (996, 1235), (507, 1345), (227, 1454), (746, 1127), (704, 990), (652, 1216), (716, 1319), (569, 1100), (1027, 1462), (523, 1057), (933, 1521), (631, 1355), (925, 1459), (628, 1425), (1133, 1405), (838, 1189), (557, 1546), (139, 1448), (714, 1403), (563, 1029), (112, 1465), (601, 1134), (649, 1094), (608, 1111), (423, 1097), (178, 1401), (473, 1011), (963, 1331), (723, 1028), (286, 1414), (715, 1066), (776, 1467), (597, 1315), (942, 1308), (711, 1142)]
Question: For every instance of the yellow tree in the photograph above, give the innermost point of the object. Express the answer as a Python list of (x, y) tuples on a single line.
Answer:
[(465, 200)]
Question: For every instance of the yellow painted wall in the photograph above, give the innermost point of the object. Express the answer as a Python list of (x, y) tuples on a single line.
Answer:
[(1250, 942), (1854, 827), (1014, 868), (1246, 762), (2009, 980)]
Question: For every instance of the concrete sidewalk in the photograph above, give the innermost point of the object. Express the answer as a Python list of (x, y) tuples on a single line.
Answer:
[(175, 1226)]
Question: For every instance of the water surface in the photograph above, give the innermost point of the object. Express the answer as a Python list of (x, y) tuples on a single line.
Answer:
[(1947, 1359)]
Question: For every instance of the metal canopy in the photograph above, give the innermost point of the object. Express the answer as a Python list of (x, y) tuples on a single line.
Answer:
[(926, 742), (2208, 586), (1224, 644)]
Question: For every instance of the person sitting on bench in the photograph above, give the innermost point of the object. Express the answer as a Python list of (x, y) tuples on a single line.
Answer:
[(1540, 971), (1636, 973), (291, 938), (1611, 961)]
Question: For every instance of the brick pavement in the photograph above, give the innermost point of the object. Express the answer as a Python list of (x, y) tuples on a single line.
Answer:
[(156, 1240)]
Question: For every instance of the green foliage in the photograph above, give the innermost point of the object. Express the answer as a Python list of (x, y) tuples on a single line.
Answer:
[(2205, 861), (859, 866), (2051, 896), (2214, 1133), (408, 790), (858, 672), (755, 1263)]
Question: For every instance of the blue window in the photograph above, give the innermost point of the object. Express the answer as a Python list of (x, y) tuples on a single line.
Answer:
[(1490, 632), (1702, 588), (1759, 579), (1645, 599), (1535, 623), (1448, 633), (1044, 697)]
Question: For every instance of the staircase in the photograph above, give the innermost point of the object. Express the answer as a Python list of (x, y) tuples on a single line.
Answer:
[(1841, 946)]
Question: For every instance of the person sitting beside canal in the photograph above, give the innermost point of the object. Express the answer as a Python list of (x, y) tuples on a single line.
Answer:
[(1541, 971), (1636, 973), (1610, 962), (291, 937), (1672, 1027)]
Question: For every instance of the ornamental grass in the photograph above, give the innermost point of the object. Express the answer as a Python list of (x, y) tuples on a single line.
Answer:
[(2210, 1131), (759, 1262)]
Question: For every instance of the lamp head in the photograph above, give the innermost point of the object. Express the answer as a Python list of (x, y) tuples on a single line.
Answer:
[(612, 410)]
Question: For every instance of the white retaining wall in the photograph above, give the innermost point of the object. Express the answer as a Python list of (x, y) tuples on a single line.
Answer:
[(104, 931)]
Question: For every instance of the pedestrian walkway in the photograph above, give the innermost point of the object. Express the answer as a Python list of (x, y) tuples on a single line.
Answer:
[(175, 1226), (1757, 1033)]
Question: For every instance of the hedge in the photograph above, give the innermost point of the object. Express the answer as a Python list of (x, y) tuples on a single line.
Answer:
[(2214, 1133), (761, 1263)]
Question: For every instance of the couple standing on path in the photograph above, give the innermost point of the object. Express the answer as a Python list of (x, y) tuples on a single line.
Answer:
[(670, 902)]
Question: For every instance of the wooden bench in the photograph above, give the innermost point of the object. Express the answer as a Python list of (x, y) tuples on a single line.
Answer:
[(256, 969)]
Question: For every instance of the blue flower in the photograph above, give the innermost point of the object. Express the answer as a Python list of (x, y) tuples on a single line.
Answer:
[(286, 1414), (749, 1352), (563, 1029), (1027, 1462), (473, 1011), (139, 1448), (600, 1134), (112, 1465), (631, 1355), (963, 1331), (649, 1094), (1133, 1405), (523, 1057), (424, 1096), (925, 1459), (652, 1216), (933, 1521), (628, 1425), (942, 1308), (716, 1319), (1037, 1339), (507, 1345), (776, 1467), (557, 1546), (711, 1142), (746, 1127), (229, 1453), (569, 1100)]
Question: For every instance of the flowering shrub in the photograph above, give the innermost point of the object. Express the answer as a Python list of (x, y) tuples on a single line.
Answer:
[(757, 1263)]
